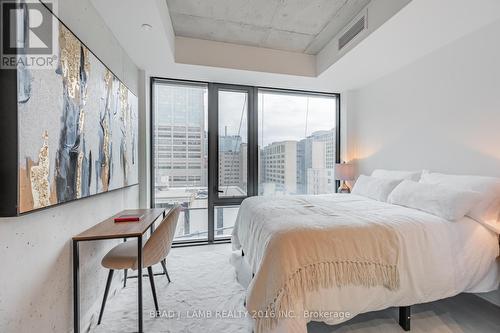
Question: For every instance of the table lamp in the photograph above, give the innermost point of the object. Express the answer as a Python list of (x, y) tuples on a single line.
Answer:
[(344, 171)]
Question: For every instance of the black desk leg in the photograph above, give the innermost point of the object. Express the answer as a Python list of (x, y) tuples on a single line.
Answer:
[(124, 272), (76, 288), (405, 317), (139, 280)]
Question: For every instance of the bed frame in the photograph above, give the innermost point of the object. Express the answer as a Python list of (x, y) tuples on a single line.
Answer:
[(405, 317), (404, 311)]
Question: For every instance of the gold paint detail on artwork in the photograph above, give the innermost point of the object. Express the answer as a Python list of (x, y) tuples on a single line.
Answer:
[(125, 118), (86, 68), (105, 165), (75, 77), (106, 149), (79, 176), (70, 53), (39, 176), (81, 123), (108, 80), (124, 105)]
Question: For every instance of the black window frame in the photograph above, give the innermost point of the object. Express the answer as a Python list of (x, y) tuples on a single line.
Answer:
[(212, 135)]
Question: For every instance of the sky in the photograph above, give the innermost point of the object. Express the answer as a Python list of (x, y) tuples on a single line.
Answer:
[(281, 116)]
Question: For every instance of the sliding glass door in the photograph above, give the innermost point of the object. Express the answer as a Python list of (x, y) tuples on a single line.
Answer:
[(213, 145)]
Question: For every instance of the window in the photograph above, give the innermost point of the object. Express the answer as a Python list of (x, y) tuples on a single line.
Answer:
[(180, 126), (224, 220), (297, 135), (233, 141), (260, 142)]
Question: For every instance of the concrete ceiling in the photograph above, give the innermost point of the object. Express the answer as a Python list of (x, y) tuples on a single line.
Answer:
[(398, 42), (304, 26)]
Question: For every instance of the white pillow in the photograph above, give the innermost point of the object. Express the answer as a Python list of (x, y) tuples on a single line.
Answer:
[(440, 200), (374, 188), (487, 210), (397, 174)]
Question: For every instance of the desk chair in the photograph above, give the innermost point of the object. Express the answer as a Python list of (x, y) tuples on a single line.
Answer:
[(124, 255)]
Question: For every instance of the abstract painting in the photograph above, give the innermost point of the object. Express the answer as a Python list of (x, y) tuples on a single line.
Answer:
[(77, 128)]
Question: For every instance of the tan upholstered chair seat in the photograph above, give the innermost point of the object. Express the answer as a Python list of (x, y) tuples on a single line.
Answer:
[(122, 256), (157, 247)]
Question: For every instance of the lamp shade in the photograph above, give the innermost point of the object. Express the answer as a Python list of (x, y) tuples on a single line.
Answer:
[(344, 171)]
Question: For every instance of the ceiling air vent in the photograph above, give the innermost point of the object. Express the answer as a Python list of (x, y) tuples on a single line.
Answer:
[(352, 32)]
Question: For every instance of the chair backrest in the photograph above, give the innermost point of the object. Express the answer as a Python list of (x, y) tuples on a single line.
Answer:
[(158, 245)]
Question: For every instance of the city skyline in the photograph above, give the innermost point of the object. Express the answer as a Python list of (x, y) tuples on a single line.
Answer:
[(296, 153), (292, 109), (187, 120)]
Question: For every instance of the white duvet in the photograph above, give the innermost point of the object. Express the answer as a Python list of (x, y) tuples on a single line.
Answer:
[(437, 258)]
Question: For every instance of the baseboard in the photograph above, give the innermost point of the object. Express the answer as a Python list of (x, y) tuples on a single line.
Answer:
[(492, 296)]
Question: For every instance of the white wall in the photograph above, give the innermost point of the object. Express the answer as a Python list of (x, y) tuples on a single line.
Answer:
[(35, 250), (228, 55), (441, 112)]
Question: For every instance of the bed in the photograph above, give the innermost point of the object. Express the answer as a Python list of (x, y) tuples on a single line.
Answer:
[(279, 238)]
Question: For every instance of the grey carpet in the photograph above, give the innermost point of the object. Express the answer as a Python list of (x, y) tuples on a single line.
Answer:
[(204, 283)]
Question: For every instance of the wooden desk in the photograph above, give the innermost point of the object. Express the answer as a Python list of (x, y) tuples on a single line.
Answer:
[(108, 229)]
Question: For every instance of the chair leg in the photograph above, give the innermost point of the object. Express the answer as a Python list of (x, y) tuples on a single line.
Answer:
[(106, 291), (153, 289), (164, 264)]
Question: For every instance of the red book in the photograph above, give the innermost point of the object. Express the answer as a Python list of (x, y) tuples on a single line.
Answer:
[(128, 218)]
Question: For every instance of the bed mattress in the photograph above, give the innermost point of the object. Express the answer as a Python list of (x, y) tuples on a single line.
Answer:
[(437, 258)]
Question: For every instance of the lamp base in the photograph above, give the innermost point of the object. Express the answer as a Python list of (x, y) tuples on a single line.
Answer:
[(344, 188)]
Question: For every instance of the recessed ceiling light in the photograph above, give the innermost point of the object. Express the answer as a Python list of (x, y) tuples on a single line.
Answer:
[(146, 27)]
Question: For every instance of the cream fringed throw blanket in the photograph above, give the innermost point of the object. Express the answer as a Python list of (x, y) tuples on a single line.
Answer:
[(298, 244)]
